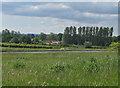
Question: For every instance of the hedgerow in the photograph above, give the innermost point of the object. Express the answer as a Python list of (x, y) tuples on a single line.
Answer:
[(25, 45)]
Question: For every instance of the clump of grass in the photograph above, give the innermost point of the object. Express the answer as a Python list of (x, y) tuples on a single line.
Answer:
[(22, 58), (19, 63), (59, 67), (93, 65)]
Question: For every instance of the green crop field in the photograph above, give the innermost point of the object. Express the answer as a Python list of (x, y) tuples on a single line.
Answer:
[(60, 69)]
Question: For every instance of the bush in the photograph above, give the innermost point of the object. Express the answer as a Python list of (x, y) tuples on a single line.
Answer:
[(65, 45), (115, 45), (99, 47), (88, 44)]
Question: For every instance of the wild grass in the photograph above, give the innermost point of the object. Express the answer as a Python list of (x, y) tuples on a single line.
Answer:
[(60, 69)]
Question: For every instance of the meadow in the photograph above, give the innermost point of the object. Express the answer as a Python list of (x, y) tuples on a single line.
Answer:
[(60, 69)]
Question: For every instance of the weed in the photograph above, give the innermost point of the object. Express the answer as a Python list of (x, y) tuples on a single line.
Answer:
[(58, 68), (93, 65), (19, 63)]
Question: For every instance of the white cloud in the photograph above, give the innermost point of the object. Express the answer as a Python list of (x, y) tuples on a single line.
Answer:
[(49, 17), (49, 6)]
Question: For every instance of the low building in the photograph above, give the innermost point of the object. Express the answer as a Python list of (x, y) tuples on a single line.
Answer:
[(52, 42)]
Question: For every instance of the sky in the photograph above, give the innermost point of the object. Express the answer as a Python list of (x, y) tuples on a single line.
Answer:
[(36, 17)]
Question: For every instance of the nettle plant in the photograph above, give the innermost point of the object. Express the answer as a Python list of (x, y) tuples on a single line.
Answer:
[(93, 65)]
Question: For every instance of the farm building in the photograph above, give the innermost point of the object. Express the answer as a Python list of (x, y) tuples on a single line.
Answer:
[(52, 42)]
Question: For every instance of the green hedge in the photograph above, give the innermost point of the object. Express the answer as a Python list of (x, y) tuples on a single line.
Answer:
[(25, 45), (99, 47)]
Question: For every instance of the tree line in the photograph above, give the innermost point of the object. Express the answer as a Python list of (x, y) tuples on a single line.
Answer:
[(100, 36), (16, 37)]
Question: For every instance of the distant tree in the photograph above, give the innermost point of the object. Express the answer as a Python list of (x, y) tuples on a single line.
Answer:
[(66, 36), (36, 40), (114, 39), (14, 40), (52, 36), (74, 37), (60, 36), (15, 34), (42, 36), (6, 36), (79, 37), (25, 39), (31, 35)]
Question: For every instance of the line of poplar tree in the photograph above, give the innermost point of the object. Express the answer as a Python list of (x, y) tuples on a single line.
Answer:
[(100, 36)]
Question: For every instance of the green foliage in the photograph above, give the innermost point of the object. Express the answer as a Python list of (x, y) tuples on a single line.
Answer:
[(25, 45), (58, 68), (37, 70), (42, 36), (99, 36), (14, 40), (19, 63), (6, 36), (25, 39), (88, 44), (93, 65), (60, 36), (52, 36), (114, 46), (36, 40), (99, 47)]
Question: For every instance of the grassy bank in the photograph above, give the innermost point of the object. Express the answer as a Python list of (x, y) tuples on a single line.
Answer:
[(60, 69)]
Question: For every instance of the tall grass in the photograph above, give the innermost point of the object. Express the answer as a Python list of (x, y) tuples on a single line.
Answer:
[(61, 69)]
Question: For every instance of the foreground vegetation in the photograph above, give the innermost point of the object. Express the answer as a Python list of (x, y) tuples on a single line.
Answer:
[(60, 69)]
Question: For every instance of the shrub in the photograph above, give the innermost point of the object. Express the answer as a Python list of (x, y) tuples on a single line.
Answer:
[(99, 47), (115, 45), (88, 44), (65, 45)]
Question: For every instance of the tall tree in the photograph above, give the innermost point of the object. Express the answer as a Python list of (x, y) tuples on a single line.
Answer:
[(6, 36), (42, 36), (25, 39), (60, 36)]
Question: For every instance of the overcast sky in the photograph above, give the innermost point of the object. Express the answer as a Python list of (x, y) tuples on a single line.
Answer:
[(36, 17)]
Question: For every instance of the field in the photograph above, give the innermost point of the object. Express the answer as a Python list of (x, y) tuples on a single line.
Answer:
[(60, 69)]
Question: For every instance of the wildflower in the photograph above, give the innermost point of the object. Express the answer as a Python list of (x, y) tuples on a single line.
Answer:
[(29, 82)]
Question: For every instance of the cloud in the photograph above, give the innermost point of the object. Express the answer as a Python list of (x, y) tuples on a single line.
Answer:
[(74, 11), (83, 13)]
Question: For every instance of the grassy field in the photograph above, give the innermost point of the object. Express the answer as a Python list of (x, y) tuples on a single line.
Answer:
[(8, 49), (60, 69)]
